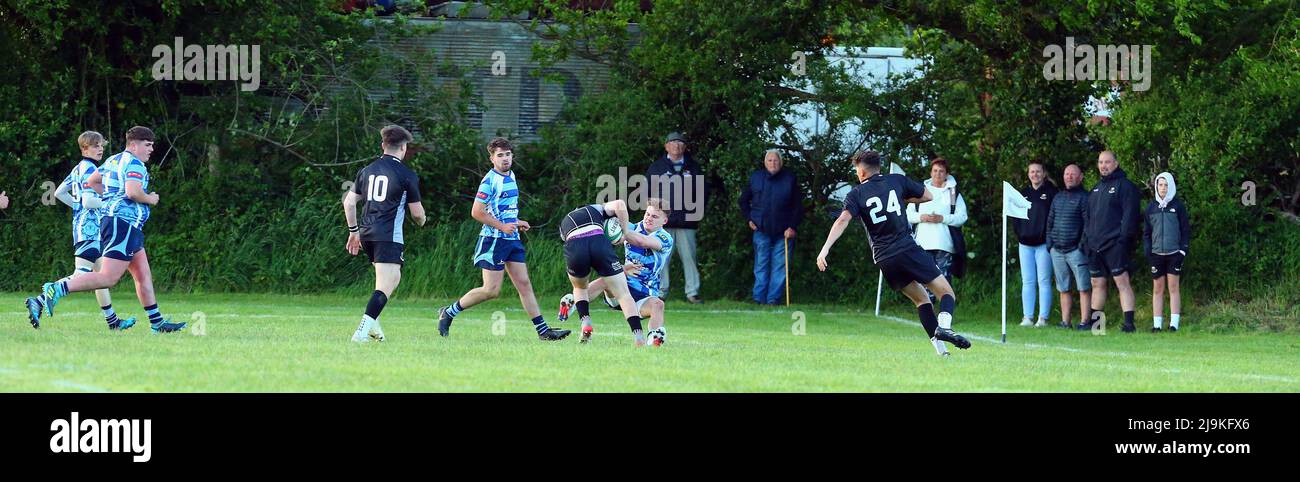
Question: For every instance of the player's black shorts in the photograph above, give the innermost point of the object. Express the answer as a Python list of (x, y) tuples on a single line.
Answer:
[(583, 254), (1112, 261), (1163, 264), (384, 251), (913, 264)]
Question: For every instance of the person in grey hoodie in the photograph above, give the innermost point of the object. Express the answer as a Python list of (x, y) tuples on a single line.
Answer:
[(1064, 234), (1166, 236)]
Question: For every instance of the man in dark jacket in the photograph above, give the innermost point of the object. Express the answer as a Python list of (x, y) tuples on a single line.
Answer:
[(772, 204), (1064, 231), (1110, 226), (677, 179), (1035, 262)]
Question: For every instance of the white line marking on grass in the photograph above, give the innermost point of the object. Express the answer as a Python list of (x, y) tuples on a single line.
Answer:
[(59, 383), (995, 341), (79, 386)]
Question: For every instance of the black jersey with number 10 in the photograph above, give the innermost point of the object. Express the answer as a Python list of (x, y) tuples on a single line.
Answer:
[(879, 203), (386, 186)]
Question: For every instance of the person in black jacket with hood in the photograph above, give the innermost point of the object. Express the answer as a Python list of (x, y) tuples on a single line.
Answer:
[(678, 180), (1110, 226), (1166, 236), (1035, 261), (773, 206)]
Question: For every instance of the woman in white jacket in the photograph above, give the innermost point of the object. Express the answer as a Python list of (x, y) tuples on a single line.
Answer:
[(933, 218)]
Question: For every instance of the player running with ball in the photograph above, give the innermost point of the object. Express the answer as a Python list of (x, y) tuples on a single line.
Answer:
[(646, 257), (587, 248), (876, 201)]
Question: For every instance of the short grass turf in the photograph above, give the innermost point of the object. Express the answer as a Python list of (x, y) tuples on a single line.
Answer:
[(292, 343)]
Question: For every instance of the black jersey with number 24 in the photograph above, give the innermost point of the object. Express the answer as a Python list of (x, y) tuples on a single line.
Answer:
[(878, 202), (386, 186)]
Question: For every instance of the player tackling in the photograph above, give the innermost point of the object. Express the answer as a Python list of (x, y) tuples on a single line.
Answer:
[(876, 201), (646, 257), (587, 248)]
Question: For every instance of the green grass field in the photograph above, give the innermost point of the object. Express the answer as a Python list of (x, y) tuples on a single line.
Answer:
[(274, 343)]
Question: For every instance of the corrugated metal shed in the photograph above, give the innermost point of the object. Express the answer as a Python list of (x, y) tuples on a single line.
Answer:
[(516, 103)]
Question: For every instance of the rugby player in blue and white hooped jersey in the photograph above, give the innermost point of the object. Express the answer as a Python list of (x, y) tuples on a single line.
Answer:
[(877, 202), (646, 257), (124, 182), (499, 249), (76, 192)]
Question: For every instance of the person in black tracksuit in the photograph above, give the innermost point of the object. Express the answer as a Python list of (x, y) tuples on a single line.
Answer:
[(1110, 227), (1166, 236)]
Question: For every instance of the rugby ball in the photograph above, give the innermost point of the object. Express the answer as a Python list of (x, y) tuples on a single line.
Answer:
[(614, 230)]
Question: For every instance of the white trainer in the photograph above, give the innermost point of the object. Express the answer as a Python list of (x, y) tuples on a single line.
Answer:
[(362, 335), (1026, 322), (1041, 323), (376, 332)]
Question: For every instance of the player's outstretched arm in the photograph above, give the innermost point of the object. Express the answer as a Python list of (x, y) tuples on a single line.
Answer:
[(642, 241), (417, 212), (837, 230)]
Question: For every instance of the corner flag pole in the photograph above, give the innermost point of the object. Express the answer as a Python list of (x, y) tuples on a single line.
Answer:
[(1004, 272), (1015, 205), (787, 270), (879, 283)]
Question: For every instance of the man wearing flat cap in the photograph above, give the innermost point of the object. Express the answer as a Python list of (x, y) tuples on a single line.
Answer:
[(677, 179)]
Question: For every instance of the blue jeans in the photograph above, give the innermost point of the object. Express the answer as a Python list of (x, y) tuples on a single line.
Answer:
[(769, 267), (1035, 280)]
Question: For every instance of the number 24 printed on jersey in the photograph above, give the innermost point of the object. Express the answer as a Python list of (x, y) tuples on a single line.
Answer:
[(876, 206)]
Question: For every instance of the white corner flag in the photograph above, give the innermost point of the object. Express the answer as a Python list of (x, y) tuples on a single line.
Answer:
[(894, 168), (1014, 205)]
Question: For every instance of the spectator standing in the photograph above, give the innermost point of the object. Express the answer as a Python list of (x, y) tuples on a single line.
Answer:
[(773, 207), (1035, 262)]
